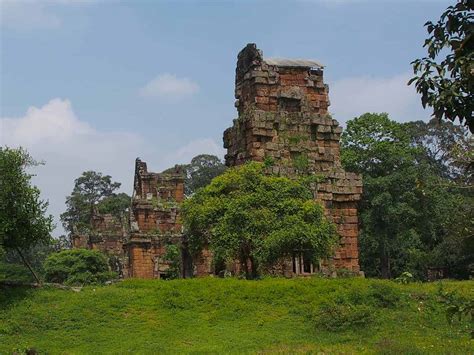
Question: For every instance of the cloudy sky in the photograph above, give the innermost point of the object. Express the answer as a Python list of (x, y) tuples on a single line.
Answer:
[(95, 84)]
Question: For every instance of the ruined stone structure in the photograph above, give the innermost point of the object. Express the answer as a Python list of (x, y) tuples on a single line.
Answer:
[(108, 235), (283, 118), (154, 220), (138, 243)]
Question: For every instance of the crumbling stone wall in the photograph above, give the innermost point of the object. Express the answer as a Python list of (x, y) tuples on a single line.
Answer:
[(108, 234), (283, 119), (154, 220), (138, 243)]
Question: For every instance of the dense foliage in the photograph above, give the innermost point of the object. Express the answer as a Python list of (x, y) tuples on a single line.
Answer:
[(214, 315), (446, 147), (23, 219), (77, 266), (199, 172), (92, 192), (257, 219), (173, 256), (413, 213), (448, 85)]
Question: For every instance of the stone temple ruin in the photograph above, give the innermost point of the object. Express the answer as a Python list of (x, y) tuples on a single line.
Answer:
[(283, 118)]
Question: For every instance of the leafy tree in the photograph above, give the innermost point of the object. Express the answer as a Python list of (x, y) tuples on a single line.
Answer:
[(449, 150), (407, 206), (257, 219), (92, 191), (23, 220), (77, 266), (448, 85), (63, 242), (115, 204), (446, 147), (199, 173)]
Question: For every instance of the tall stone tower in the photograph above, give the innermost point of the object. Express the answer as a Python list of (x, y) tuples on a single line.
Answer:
[(283, 118), (154, 221)]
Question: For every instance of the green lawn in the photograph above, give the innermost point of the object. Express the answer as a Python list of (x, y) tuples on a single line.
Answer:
[(229, 315)]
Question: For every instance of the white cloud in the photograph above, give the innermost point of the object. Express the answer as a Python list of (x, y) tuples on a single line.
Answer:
[(169, 86), (54, 122), (68, 146), (352, 97)]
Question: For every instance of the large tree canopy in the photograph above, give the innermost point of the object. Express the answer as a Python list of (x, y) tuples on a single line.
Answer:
[(410, 205), (255, 218), (92, 192), (446, 147), (200, 171), (447, 84), (23, 219)]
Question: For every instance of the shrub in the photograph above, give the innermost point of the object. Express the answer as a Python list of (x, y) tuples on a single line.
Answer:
[(14, 272), (405, 278), (457, 307), (77, 266)]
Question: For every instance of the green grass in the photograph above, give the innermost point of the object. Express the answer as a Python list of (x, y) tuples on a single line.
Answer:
[(229, 315)]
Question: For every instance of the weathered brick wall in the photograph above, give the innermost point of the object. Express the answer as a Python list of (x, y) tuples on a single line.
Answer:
[(108, 235), (283, 118), (155, 220), (139, 244), (147, 255), (156, 200)]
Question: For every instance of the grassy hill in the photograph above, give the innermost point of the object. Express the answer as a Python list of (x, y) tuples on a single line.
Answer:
[(230, 315)]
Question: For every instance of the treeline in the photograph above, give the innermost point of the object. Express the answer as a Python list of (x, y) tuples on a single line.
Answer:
[(417, 209), (416, 212)]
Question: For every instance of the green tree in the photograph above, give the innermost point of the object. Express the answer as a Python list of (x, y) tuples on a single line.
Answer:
[(407, 205), (446, 147), (115, 204), (23, 220), (200, 171), (449, 150), (447, 85), (92, 191), (257, 219)]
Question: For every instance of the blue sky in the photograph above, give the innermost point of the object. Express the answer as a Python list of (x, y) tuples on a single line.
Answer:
[(94, 84)]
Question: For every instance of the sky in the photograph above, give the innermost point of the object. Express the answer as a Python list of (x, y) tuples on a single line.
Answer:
[(92, 85)]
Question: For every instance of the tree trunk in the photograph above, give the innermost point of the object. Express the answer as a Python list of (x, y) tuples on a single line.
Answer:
[(28, 266), (253, 266)]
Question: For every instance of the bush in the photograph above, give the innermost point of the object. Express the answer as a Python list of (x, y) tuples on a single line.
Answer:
[(457, 307), (15, 272), (78, 266)]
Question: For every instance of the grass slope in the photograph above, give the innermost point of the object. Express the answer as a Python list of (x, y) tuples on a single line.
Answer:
[(230, 315)]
